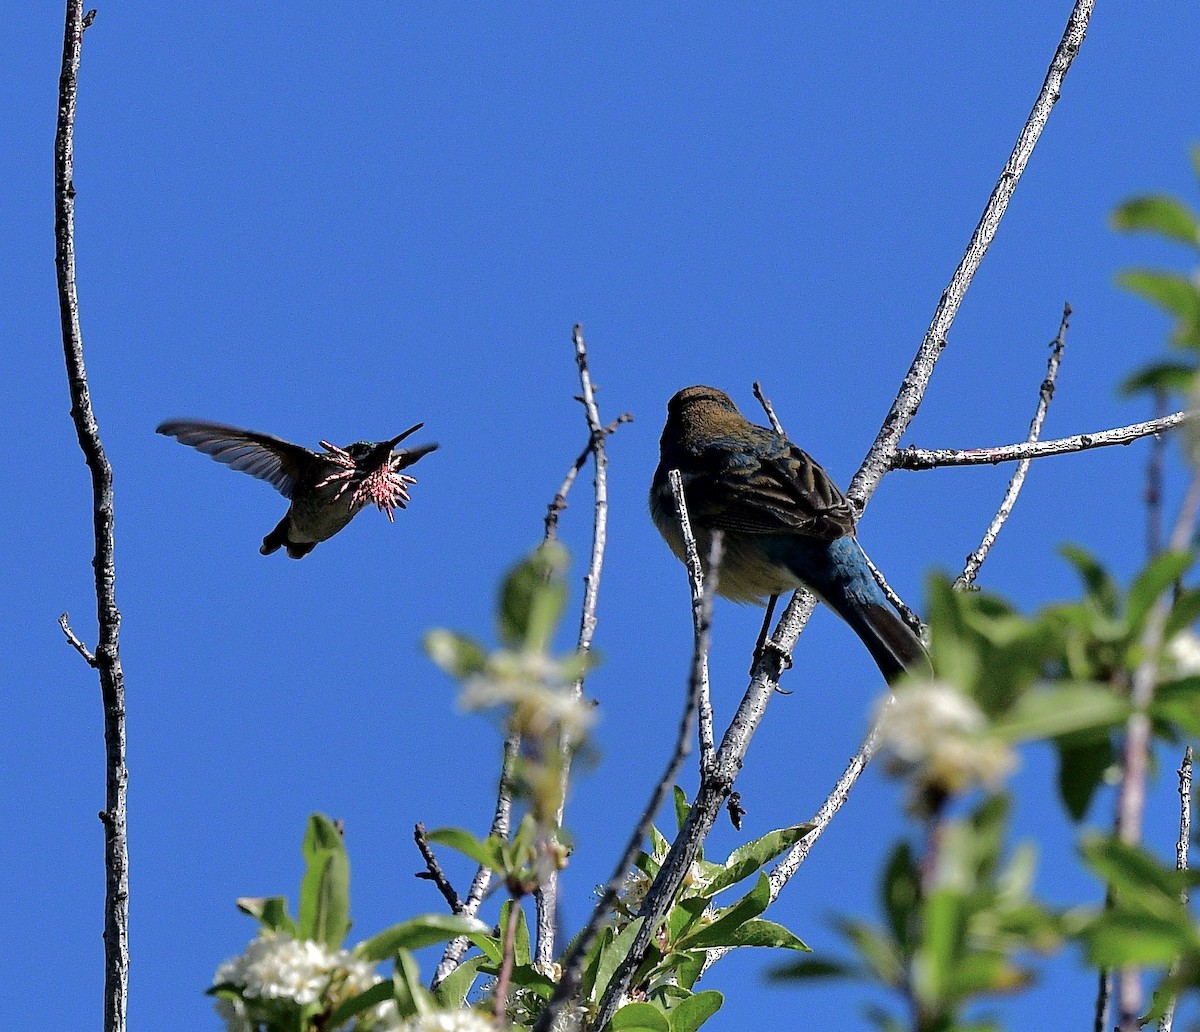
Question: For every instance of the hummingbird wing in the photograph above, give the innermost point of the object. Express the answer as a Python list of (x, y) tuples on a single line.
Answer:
[(276, 461)]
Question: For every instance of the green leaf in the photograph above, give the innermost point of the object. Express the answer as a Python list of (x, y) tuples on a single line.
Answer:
[(412, 998), (270, 911), (754, 932), (876, 951), (453, 990), (379, 993), (521, 941), (682, 807), (901, 893), (455, 653), (1137, 875), (813, 967), (1162, 572), (325, 888), (488, 853), (748, 858), (731, 918), (979, 973), (1117, 938), (942, 947), (1158, 213), (424, 931), (693, 1012), (1168, 376), (1100, 587), (532, 598), (1083, 759), (612, 953), (1064, 708), (1178, 702), (639, 1017), (1184, 613), (1173, 292)]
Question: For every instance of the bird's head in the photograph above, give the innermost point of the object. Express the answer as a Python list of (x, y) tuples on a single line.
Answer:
[(696, 414)]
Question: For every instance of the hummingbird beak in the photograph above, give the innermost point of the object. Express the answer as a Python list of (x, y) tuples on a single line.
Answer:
[(396, 440)]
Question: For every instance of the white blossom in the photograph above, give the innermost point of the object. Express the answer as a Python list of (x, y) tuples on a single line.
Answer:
[(542, 698), (937, 734), (275, 969), (1184, 651), (449, 1021)]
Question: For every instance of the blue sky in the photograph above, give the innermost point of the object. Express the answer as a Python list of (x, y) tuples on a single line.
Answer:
[(334, 222)]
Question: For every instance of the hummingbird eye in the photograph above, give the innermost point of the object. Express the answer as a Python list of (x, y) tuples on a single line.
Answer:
[(359, 449)]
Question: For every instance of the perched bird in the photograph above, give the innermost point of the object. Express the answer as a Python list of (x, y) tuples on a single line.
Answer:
[(327, 490), (784, 523)]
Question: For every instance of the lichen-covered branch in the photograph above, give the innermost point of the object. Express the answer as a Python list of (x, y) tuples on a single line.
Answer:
[(546, 895), (930, 458), (107, 658), (879, 457)]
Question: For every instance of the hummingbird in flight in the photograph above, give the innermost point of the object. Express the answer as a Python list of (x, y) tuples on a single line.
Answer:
[(327, 489)]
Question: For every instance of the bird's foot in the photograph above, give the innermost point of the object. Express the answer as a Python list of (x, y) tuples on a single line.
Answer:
[(767, 645)]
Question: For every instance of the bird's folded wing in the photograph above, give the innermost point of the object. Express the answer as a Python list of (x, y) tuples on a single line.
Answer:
[(782, 491), (276, 461)]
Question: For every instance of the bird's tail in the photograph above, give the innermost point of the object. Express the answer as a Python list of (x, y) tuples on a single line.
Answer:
[(844, 582)]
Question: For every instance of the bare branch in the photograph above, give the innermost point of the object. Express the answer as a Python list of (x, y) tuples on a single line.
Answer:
[(559, 502), (716, 786), (880, 455), (769, 409), (1045, 394), (546, 895), (701, 617), (930, 458), (1181, 862), (433, 870), (107, 660), (1131, 797), (1154, 480), (501, 823), (75, 643), (573, 962), (782, 872)]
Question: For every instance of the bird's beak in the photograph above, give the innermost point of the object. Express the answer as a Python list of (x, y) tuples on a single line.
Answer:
[(396, 440)]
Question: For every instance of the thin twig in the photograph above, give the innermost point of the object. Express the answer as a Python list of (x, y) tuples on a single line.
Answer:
[(879, 457), (1131, 798), (107, 660), (501, 823), (794, 857), (1154, 480), (1100, 1023), (506, 963), (573, 963), (1181, 863), (433, 870), (907, 614), (546, 894), (769, 409), (976, 559), (930, 458), (701, 616), (559, 502), (715, 788), (75, 643)]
